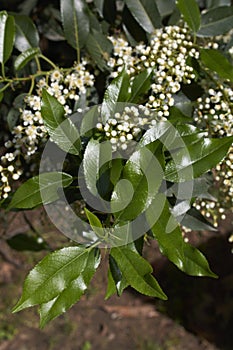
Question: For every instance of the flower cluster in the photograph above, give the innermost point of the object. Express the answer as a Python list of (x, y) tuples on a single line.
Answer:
[(125, 127), (215, 111), (215, 210), (167, 53), (30, 133)]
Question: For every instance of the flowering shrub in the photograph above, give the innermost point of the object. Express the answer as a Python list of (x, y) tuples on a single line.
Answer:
[(120, 145)]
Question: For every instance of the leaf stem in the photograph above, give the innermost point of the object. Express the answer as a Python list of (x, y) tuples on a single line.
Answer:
[(48, 61), (3, 70)]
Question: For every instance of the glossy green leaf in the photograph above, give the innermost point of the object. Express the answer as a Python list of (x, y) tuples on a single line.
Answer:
[(195, 160), (216, 21), (95, 156), (99, 48), (116, 281), (25, 57), (137, 272), (72, 293), (143, 12), (61, 129), (7, 34), (191, 13), (168, 234), (117, 91), (140, 85), (217, 62), (95, 223), (41, 189), (26, 36), (166, 230), (22, 242), (141, 179), (75, 20), (195, 263), (52, 275)]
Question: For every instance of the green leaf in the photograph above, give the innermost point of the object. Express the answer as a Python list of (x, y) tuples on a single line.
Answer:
[(216, 21), (217, 62), (191, 13), (195, 263), (166, 7), (141, 179), (22, 242), (72, 293), (1, 96), (25, 57), (159, 131), (137, 272), (218, 3), (99, 48), (41, 189), (117, 91), (95, 223), (140, 85), (195, 160), (7, 34), (95, 156), (116, 281), (195, 221), (75, 20), (166, 230), (61, 129), (26, 36), (168, 234), (143, 12), (13, 117), (52, 275)]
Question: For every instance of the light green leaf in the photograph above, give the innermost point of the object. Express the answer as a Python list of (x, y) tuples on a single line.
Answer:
[(72, 293), (61, 129), (216, 21), (191, 13), (195, 160), (137, 272), (25, 57), (217, 62), (75, 20), (117, 91), (7, 34), (26, 36), (143, 13), (99, 48), (140, 85), (52, 275), (41, 189), (95, 223)]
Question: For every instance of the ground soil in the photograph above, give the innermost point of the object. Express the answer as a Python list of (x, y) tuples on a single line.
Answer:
[(198, 314)]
